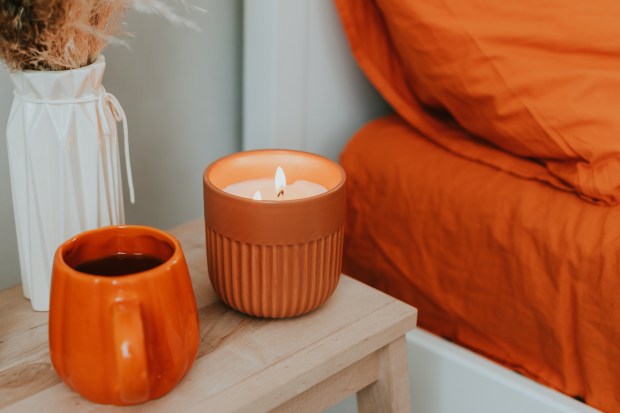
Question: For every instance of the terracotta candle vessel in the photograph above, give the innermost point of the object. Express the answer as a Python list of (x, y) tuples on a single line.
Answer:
[(274, 258)]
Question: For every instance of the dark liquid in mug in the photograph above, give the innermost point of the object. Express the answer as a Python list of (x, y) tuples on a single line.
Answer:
[(119, 264)]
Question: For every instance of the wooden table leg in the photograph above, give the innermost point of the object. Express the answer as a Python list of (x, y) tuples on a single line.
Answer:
[(390, 393)]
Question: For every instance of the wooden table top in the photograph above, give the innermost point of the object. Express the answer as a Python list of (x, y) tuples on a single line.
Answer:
[(243, 363)]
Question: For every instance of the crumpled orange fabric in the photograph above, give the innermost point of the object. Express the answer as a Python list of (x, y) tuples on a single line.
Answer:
[(539, 79), (509, 267)]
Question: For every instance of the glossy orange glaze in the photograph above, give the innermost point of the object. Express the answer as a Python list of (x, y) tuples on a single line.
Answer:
[(122, 339)]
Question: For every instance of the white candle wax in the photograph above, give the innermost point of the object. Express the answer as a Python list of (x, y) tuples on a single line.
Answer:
[(296, 190)]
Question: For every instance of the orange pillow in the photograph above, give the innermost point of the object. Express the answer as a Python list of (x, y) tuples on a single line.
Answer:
[(537, 78)]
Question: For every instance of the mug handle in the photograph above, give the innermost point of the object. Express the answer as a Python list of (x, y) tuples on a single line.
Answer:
[(130, 352)]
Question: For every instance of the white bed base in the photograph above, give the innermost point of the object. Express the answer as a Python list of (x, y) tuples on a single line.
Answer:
[(446, 378), (302, 90)]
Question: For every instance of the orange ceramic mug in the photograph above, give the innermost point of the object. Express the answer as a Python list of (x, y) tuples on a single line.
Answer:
[(122, 339)]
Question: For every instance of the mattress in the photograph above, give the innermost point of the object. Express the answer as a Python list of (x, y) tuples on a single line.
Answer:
[(508, 267)]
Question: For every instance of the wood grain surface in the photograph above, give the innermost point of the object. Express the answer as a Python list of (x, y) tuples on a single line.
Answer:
[(244, 363)]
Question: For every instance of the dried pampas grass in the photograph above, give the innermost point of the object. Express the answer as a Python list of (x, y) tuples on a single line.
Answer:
[(67, 34)]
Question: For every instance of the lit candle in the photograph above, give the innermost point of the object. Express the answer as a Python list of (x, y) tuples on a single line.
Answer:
[(276, 189), (271, 256)]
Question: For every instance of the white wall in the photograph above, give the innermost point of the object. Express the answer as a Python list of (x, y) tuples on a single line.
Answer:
[(181, 91), (9, 266), (303, 89)]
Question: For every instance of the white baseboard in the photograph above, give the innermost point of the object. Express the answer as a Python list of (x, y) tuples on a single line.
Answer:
[(446, 378)]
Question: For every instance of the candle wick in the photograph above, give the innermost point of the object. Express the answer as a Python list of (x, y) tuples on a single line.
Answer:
[(281, 193)]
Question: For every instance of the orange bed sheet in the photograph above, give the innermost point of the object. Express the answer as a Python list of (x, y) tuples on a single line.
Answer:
[(512, 268)]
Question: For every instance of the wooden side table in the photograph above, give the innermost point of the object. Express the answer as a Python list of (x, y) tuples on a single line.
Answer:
[(353, 343)]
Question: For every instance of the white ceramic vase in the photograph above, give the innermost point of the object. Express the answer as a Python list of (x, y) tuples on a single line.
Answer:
[(64, 165)]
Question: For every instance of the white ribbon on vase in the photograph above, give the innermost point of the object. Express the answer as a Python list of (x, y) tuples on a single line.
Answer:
[(102, 98)]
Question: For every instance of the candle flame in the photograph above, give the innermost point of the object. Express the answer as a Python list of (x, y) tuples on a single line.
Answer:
[(280, 181), (257, 196)]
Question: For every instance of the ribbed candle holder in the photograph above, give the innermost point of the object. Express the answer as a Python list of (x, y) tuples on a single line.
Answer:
[(274, 258)]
